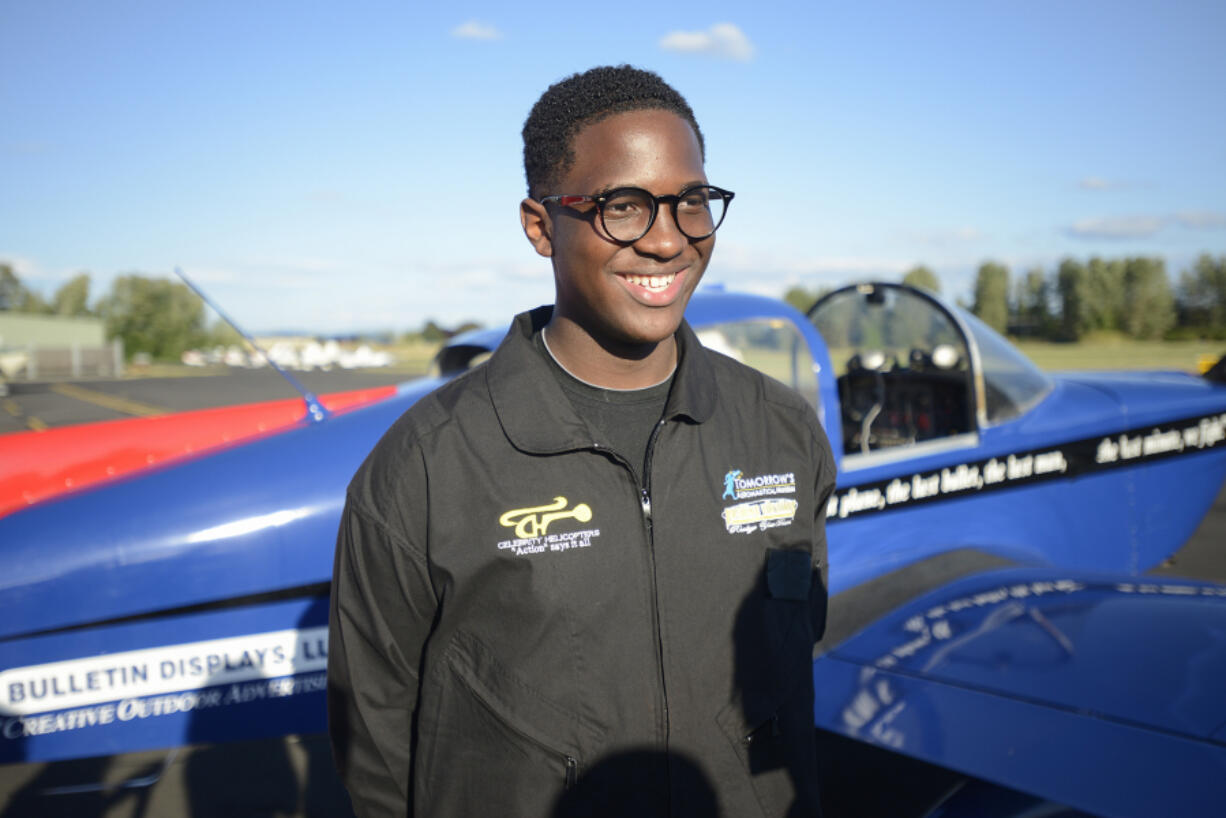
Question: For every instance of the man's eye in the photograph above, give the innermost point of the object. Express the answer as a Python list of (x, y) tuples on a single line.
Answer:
[(622, 209), (694, 202)]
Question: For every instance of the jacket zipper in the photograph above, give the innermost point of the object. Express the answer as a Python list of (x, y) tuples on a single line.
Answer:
[(645, 499), (644, 492), (644, 489), (755, 733), (569, 761)]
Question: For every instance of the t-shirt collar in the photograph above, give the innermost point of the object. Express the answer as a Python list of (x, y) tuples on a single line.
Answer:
[(535, 413)]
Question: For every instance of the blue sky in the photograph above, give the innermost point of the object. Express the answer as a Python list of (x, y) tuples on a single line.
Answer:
[(337, 166)]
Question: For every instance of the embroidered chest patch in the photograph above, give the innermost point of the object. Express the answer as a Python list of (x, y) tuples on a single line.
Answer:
[(757, 504), (534, 532)]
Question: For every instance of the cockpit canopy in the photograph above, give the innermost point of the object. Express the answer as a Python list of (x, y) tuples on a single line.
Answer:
[(912, 370)]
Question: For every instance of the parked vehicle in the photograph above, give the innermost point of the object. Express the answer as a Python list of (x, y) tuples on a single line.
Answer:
[(991, 616)]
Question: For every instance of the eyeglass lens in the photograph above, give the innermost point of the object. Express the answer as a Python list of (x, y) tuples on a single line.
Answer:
[(627, 214)]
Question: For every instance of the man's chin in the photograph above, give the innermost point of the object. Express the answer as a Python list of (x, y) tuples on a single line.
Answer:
[(647, 335)]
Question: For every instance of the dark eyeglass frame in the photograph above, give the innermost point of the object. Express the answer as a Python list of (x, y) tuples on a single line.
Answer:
[(601, 198)]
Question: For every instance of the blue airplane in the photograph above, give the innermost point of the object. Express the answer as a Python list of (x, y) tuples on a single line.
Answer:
[(996, 637)]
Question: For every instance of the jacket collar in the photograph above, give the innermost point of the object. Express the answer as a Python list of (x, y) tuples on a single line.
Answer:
[(535, 413)]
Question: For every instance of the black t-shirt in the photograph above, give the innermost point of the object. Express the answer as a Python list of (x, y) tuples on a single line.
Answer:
[(624, 418)]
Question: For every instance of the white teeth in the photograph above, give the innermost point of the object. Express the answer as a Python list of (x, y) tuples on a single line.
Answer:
[(652, 282)]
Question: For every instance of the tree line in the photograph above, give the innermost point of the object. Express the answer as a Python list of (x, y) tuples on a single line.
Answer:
[(152, 316), (1133, 296), (157, 317)]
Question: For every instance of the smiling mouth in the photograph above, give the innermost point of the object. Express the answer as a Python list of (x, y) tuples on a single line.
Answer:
[(653, 283)]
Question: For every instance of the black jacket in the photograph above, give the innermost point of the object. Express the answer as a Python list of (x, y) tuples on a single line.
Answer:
[(521, 625)]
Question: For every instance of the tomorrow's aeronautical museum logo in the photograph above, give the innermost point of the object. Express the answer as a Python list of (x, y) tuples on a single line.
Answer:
[(739, 487), (759, 507)]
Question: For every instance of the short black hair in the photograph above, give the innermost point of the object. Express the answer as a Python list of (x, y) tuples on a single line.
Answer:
[(582, 99)]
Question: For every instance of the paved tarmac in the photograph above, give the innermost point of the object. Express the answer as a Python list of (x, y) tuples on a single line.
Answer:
[(1204, 555), (46, 405)]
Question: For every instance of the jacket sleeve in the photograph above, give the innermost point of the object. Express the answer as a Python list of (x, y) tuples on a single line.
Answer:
[(823, 487), (381, 612)]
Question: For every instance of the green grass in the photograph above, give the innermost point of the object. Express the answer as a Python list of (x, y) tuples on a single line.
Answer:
[(410, 359), (1101, 351), (1107, 351)]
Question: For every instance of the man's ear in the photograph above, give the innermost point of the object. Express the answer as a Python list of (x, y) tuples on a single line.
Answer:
[(537, 226)]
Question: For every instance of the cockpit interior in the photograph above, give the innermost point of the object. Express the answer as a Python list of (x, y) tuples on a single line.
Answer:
[(903, 367)]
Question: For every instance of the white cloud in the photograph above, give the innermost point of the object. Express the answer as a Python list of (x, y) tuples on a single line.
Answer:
[(211, 275), (23, 267), (722, 40), (400, 293), (1117, 227), (1144, 227), (325, 196), (943, 238), (262, 267), (753, 269), (1098, 183), (474, 30), (1201, 219), (37, 276)]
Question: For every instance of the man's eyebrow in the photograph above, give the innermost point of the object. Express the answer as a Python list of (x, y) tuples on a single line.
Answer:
[(605, 189)]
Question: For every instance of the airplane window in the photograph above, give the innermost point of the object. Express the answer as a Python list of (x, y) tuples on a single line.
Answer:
[(1012, 384), (902, 365), (774, 347), (452, 360)]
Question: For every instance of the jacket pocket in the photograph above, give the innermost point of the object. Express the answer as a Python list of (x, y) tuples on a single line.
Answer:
[(769, 724), (777, 752), (773, 634), (488, 743)]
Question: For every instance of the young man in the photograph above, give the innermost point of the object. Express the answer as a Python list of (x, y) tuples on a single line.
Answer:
[(541, 603)]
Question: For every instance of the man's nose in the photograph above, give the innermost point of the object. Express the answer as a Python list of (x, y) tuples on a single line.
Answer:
[(664, 239)]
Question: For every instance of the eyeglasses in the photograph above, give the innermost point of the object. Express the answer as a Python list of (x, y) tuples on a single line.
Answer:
[(627, 213)]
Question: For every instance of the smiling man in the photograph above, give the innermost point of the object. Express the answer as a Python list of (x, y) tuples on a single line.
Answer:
[(586, 577)]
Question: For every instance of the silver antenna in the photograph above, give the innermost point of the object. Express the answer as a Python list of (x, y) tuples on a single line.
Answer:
[(315, 409)]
